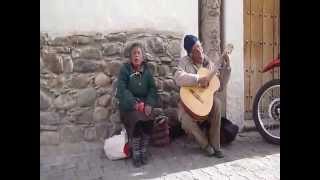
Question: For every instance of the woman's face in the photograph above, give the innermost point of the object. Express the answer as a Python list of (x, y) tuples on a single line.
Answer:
[(136, 57)]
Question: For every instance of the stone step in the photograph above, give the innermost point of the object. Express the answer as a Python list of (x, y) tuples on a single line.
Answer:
[(249, 126)]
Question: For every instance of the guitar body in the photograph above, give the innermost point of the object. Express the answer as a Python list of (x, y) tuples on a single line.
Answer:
[(199, 100)]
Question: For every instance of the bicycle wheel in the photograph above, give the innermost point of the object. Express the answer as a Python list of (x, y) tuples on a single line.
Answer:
[(266, 111)]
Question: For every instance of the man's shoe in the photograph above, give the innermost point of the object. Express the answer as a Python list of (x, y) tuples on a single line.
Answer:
[(218, 153), (209, 151)]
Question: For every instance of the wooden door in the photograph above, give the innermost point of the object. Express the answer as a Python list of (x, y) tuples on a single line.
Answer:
[(261, 45)]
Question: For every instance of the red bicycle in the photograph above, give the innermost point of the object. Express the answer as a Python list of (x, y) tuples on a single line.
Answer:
[(266, 107)]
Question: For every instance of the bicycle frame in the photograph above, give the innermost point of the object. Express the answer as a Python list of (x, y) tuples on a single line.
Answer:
[(271, 65)]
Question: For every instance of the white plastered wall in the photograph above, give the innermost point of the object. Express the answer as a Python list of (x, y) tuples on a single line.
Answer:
[(233, 29)]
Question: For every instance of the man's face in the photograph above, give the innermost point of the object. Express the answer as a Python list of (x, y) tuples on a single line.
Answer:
[(197, 54), (136, 57)]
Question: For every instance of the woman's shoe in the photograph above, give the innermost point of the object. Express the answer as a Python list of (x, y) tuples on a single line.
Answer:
[(136, 162), (136, 152), (143, 147)]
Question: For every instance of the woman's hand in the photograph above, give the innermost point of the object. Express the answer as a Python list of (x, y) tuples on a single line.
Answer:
[(139, 106), (136, 106), (147, 110)]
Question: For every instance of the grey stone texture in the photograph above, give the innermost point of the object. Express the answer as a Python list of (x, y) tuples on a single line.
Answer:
[(85, 66), (45, 101), (64, 101), (112, 49), (104, 100), (80, 81), (100, 114), (49, 118), (86, 97), (90, 53), (102, 80), (81, 39), (49, 138), (112, 68), (53, 62)]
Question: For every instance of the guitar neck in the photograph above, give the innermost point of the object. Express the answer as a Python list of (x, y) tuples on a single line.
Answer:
[(211, 74), (218, 64), (221, 59)]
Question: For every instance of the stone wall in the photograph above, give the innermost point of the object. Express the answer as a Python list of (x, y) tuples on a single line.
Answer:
[(78, 75)]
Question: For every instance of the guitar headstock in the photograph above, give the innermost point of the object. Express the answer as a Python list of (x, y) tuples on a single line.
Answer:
[(228, 49)]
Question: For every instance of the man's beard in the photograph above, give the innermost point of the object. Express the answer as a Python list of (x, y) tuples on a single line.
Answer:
[(198, 60)]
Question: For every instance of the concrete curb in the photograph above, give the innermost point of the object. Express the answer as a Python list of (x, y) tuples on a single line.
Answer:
[(249, 126)]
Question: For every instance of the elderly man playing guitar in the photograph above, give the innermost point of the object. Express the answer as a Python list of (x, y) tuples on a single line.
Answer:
[(199, 78)]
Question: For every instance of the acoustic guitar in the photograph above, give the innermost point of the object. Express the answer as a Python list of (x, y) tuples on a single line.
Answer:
[(198, 101)]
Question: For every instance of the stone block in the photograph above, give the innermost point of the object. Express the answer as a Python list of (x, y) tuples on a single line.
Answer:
[(174, 48), (49, 118), (64, 101), (102, 80), (86, 97), (81, 40), (121, 37), (90, 134), (90, 53), (45, 101), (79, 82), (60, 41), (85, 66), (104, 100), (100, 114), (53, 62), (111, 49), (164, 70), (67, 64), (49, 138), (71, 134), (113, 68), (156, 44)]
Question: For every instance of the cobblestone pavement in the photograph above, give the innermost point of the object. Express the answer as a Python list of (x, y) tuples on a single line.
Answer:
[(248, 157)]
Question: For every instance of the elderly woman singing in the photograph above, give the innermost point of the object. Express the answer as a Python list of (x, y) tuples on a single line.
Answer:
[(137, 96)]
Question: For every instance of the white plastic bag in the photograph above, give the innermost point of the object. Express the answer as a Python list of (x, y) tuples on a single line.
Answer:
[(116, 147)]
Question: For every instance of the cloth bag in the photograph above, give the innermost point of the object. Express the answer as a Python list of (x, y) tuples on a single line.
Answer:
[(228, 131), (160, 135)]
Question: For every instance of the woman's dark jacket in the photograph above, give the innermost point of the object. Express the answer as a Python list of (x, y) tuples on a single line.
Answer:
[(135, 86)]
